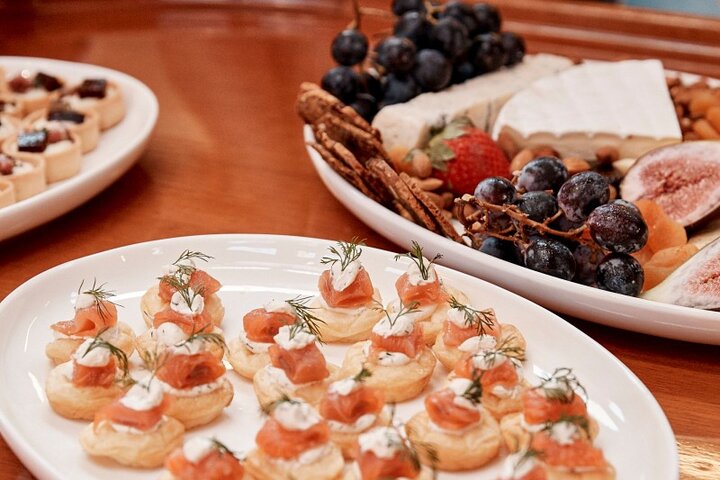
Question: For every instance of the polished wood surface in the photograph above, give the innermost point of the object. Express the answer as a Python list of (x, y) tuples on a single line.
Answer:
[(227, 154)]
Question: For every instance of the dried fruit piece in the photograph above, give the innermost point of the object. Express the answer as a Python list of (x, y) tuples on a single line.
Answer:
[(664, 262), (663, 231)]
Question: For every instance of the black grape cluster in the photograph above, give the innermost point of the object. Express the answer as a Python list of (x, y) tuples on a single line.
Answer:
[(428, 51), (598, 255)]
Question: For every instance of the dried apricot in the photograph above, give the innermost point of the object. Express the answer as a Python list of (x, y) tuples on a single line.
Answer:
[(664, 262)]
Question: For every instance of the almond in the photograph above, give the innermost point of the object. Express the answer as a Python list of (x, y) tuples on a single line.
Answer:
[(713, 117), (429, 184), (705, 131), (701, 101), (545, 151), (575, 165), (523, 157), (421, 165)]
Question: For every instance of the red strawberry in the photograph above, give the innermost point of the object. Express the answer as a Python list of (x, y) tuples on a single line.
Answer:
[(463, 155)]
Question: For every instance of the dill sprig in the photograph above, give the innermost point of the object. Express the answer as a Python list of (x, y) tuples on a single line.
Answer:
[(204, 336), (305, 319), (404, 310), (579, 421), (474, 391), (362, 375), (416, 255), (183, 288), (527, 456), (184, 261), (222, 448), (153, 361), (120, 356), (562, 385), (101, 296), (412, 449), (268, 408), (481, 319), (505, 349), (348, 253)]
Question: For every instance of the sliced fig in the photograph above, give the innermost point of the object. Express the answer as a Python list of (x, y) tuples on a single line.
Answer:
[(696, 283), (684, 179)]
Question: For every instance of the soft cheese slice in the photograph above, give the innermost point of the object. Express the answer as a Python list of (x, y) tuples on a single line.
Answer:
[(596, 104), (408, 124)]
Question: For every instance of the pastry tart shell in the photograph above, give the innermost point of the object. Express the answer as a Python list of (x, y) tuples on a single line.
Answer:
[(30, 183), (449, 356), (146, 450), (14, 123), (263, 467), (245, 362), (88, 131), (398, 382), (7, 193), (347, 441), (471, 449), (77, 403), (61, 349), (58, 165), (110, 109), (347, 327), (516, 437), (201, 409), (268, 390), (151, 303)]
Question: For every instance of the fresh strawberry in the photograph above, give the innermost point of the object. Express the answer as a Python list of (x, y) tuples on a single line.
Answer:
[(463, 155)]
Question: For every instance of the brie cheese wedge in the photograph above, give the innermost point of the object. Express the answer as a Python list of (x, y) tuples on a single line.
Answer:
[(408, 125), (625, 105)]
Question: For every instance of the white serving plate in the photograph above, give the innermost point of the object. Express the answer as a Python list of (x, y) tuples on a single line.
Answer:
[(118, 148), (634, 434), (588, 303)]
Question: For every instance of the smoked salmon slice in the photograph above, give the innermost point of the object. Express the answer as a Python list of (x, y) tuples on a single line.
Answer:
[(90, 321), (216, 465), (409, 345), (374, 468), (538, 408), (348, 408), (578, 454), (278, 442), (188, 371), (454, 335), (188, 323), (261, 325), (504, 374), (420, 295), (200, 281), (445, 413), (357, 294), (144, 420), (302, 365), (84, 376)]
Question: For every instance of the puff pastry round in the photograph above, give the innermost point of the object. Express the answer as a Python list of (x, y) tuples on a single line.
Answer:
[(347, 327), (398, 382), (78, 403), (268, 390), (516, 437), (557, 473), (499, 407), (28, 183), (151, 303), (146, 450), (245, 362), (61, 349), (472, 449), (88, 131), (146, 342), (7, 193), (327, 467), (449, 356), (202, 409)]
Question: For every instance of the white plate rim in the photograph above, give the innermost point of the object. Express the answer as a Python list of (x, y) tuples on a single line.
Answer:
[(45, 206), (588, 303), (42, 468)]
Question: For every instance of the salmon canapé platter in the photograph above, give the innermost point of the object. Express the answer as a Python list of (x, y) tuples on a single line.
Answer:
[(273, 357)]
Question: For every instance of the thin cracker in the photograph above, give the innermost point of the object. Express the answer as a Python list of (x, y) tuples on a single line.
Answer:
[(445, 226)]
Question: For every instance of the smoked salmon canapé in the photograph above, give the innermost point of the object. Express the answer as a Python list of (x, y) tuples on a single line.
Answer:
[(386, 452), (566, 451), (500, 373), (347, 301), (523, 465), (459, 432), (95, 314), (195, 379), (468, 330), (202, 458), (421, 287), (351, 408), (248, 353), (297, 367), (558, 396), (97, 374), (169, 334), (134, 430), (400, 363), (294, 442), (180, 275)]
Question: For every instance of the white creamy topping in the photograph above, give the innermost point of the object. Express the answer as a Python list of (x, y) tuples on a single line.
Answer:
[(172, 270), (361, 424), (296, 415), (531, 427), (457, 316), (415, 276), (58, 147), (178, 303), (21, 167), (307, 457), (193, 347), (84, 300), (97, 357), (143, 397), (512, 470), (196, 390), (384, 442), (197, 448), (342, 279), (279, 306), (299, 340), (564, 433), (66, 370), (279, 376), (484, 361), (169, 334), (253, 347), (503, 392), (388, 359), (478, 343), (398, 327), (344, 387), (42, 123), (120, 428), (459, 386)]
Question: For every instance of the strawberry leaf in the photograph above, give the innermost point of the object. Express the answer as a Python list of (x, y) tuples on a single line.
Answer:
[(440, 154), (456, 128)]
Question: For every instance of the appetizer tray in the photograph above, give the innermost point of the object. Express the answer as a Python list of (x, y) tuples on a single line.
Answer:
[(118, 148), (588, 303), (634, 433)]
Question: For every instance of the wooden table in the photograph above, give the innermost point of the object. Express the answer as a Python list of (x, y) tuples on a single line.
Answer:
[(227, 154)]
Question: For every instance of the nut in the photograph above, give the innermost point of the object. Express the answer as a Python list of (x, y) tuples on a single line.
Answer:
[(713, 117), (701, 101), (705, 131), (523, 157), (436, 199), (507, 145), (613, 193), (429, 184), (545, 151), (448, 199), (607, 155), (575, 165), (421, 166)]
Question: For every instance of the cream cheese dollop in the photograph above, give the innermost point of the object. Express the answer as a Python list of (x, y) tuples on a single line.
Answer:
[(486, 361), (514, 468), (478, 343), (384, 442), (97, 357), (342, 279), (178, 303), (564, 433), (169, 334), (415, 276), (197, 448), (296, 415), (301, 338), (361, 424), (143, 397), (459, 386), (279, 306), (399, 327), (84, 300), (344, 387)]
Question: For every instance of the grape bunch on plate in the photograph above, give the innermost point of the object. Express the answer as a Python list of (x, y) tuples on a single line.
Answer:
[(432, 47), (563, 226)]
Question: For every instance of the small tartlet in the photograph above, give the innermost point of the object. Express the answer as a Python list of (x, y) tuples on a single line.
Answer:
[(87, 129), (63, 159), (7, 193), (107, 102), (29, 179)]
